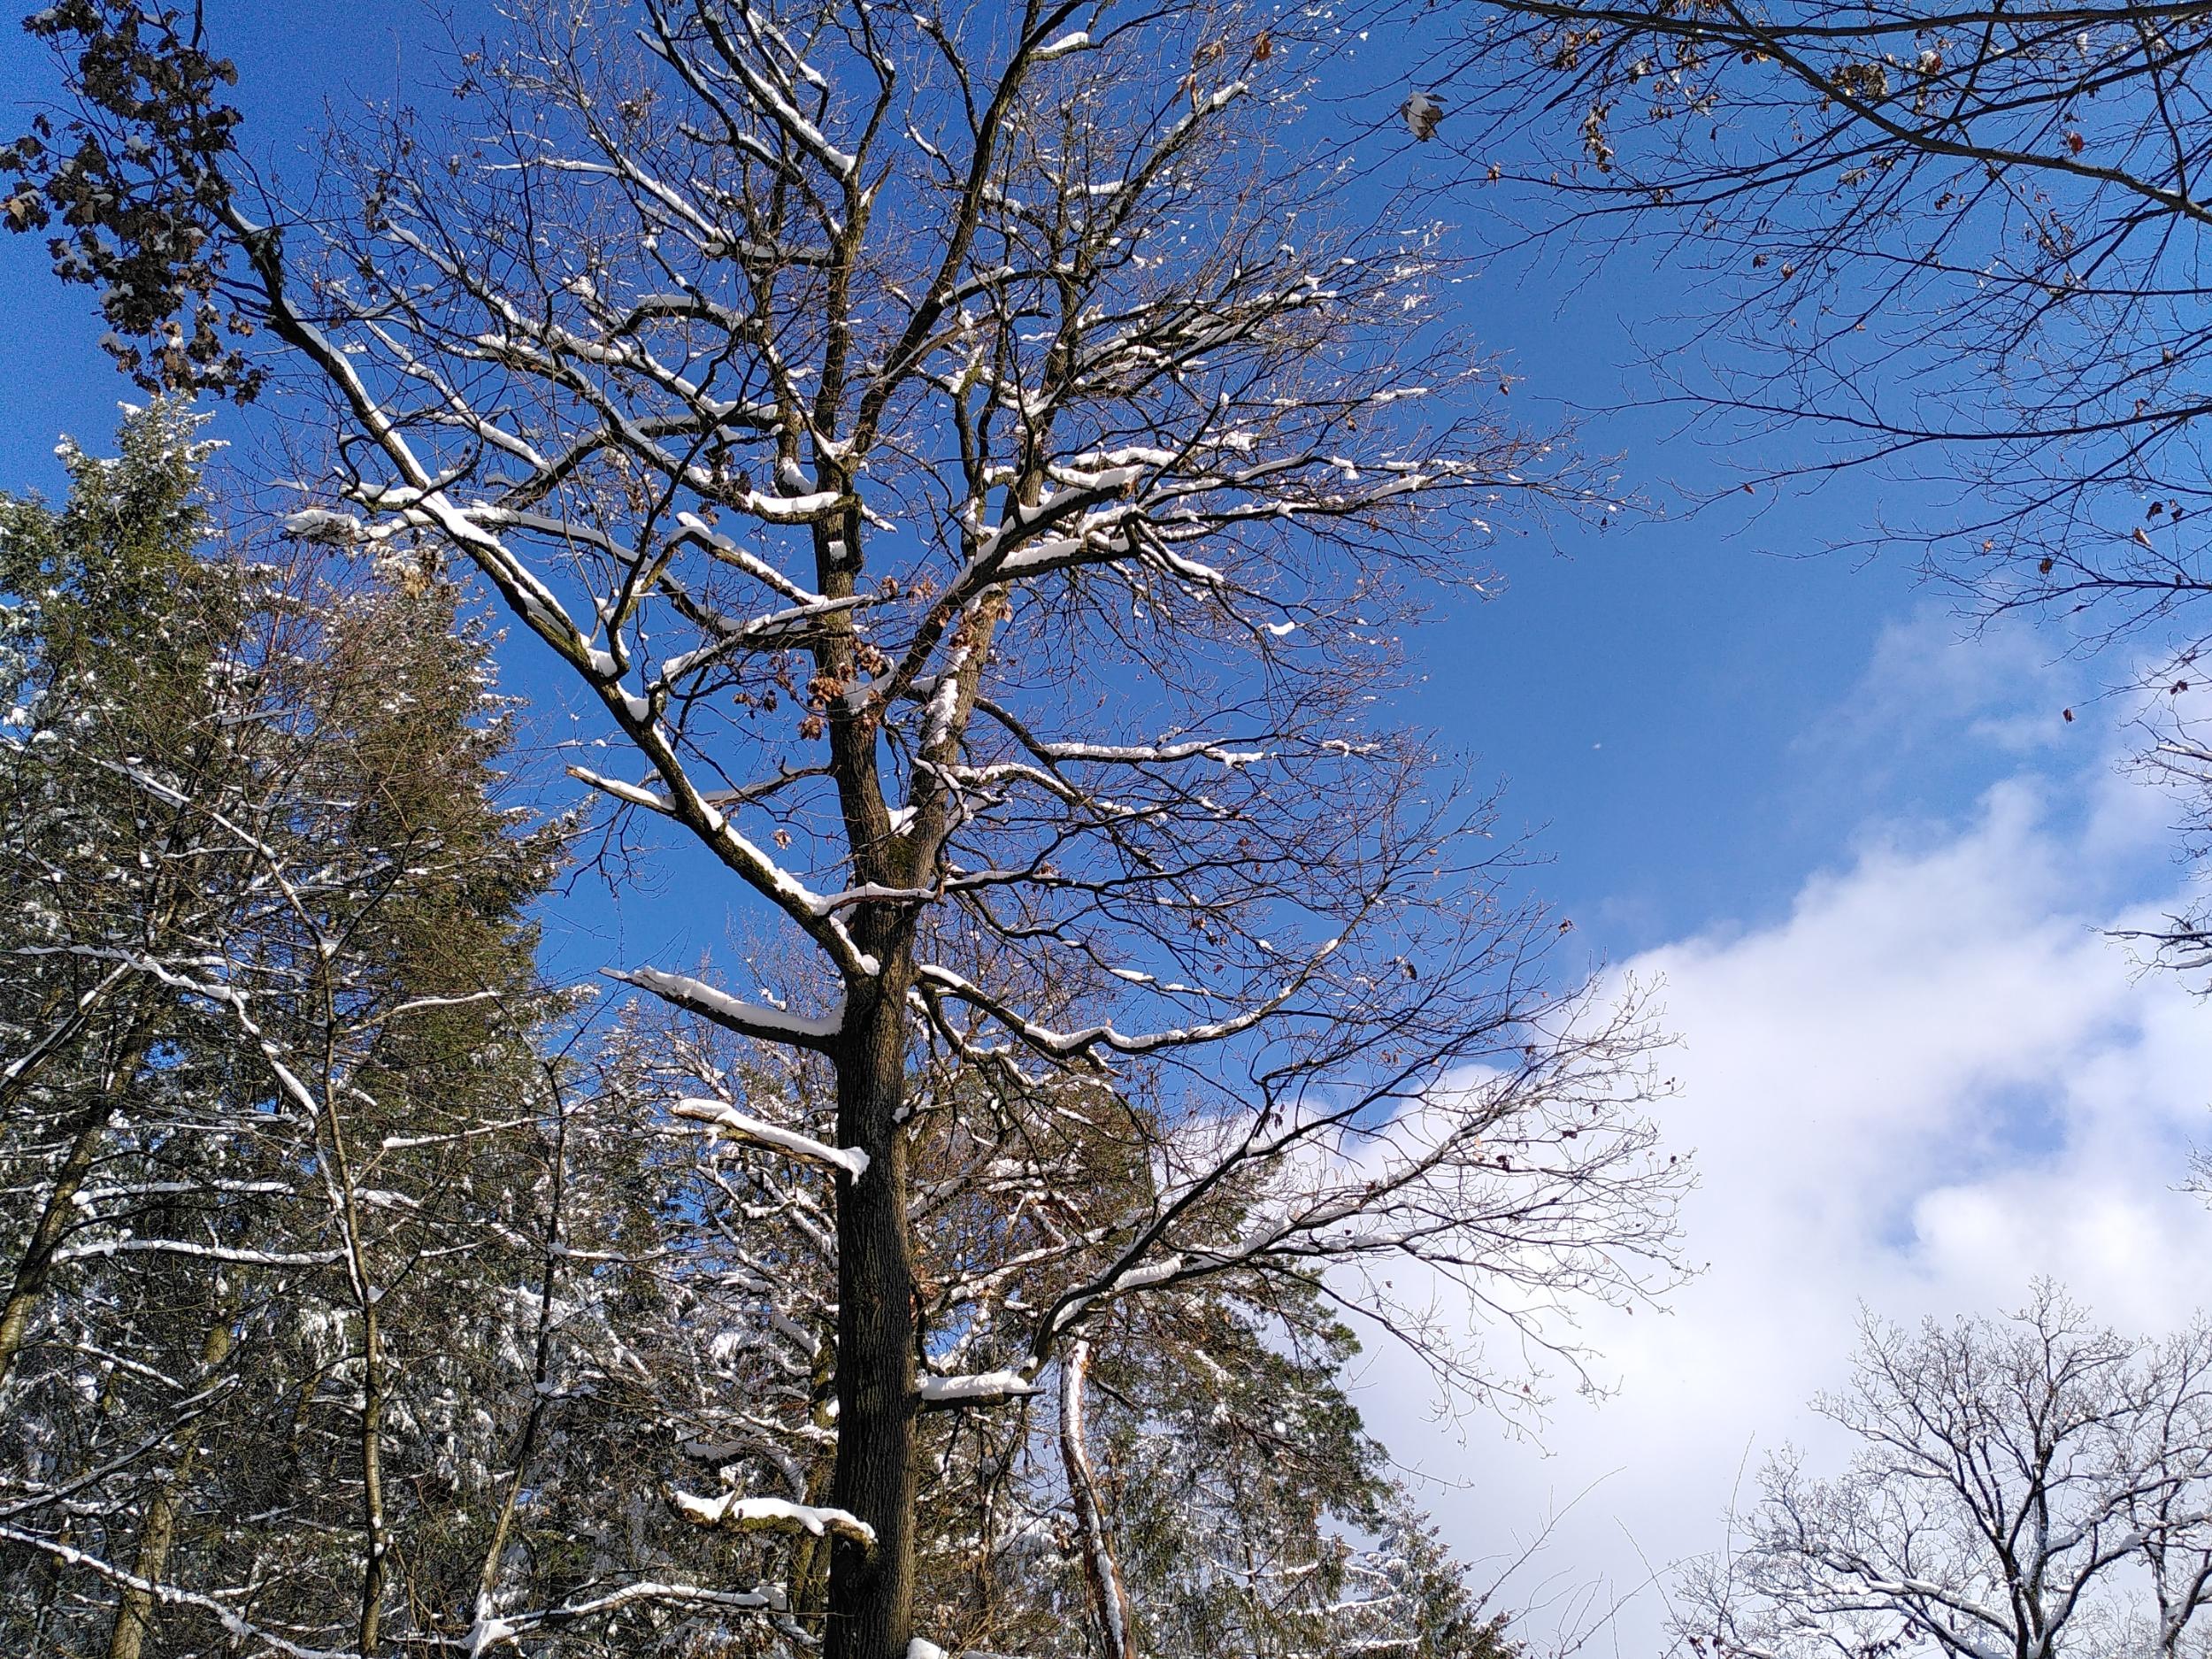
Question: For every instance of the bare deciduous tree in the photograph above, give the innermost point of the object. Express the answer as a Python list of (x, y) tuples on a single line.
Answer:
[(982, 477), (2016, 1488)]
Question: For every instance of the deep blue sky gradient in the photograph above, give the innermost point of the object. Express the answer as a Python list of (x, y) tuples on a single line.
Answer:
[(1667, 701)]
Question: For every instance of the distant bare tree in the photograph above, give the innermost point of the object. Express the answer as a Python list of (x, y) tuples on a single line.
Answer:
[(2018, 1487)]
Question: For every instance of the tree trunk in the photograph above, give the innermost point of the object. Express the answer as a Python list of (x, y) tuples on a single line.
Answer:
[(872, 1587), (134, 1615), (1110, 1600), (36, 1264), (367, 1295), (373, 1571), (808, 1591)]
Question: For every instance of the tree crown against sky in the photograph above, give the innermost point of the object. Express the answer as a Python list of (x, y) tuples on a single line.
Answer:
[(823, 1129), (983, 486), (1956, 248), (2035, 1484), (1958, 239)]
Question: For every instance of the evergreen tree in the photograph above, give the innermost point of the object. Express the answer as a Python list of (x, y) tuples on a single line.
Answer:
[(348, 1319), (268, 995)]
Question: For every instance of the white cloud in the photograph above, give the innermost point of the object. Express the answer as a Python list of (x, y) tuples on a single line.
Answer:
[(1931, 678), (1935, 1079)]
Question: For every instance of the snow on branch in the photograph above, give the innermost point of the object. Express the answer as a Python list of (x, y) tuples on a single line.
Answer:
[(493, 1630), (736, 1125), (982, 1388), (628, 794), (748, 1020), (170, 1595), (695, 529), (321, 523), (204, 1252), (1069, 1044), (737, 1513)]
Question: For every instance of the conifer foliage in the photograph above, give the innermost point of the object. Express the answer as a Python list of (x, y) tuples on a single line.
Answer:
[(267, 987), (346, 1316)]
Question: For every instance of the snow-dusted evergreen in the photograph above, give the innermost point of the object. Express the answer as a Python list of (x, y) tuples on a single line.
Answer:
[(267, 1002)]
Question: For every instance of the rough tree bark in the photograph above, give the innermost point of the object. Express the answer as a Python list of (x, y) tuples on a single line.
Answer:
[(871, 1583)]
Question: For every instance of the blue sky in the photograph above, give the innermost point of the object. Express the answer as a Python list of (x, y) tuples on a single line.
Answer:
[(1868, 861), (1642, 693)]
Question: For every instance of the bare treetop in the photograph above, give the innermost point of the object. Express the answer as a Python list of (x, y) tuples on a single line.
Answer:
[(2034, 1486), (952, 499)]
